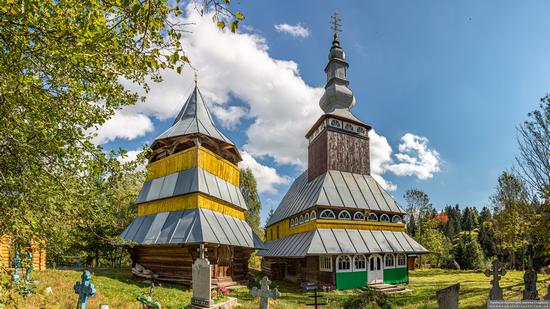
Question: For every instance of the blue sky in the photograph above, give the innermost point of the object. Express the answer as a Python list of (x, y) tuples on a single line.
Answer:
[(462, 74)]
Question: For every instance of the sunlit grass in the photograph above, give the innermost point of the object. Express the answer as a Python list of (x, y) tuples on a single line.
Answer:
[(119, 289)]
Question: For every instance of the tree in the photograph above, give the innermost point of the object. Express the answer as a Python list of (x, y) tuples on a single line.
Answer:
[(485, 215), (486, 238), (534, 146), (419, 208), (252, 201), (512, 216), (467, 252), (62, 64), (440, 247)]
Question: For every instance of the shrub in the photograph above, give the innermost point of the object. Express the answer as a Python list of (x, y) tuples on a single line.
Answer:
[(369, 299)]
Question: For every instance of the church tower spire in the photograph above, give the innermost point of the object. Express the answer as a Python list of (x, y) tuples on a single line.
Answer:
[(338, 140), (337, 95)]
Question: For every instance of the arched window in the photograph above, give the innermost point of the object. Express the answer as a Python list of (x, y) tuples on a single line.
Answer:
[(372, 217), (359, 216), (359, 262), (401, 260), (292, 222), (343, 263), (327, 214), (384, 218), (301, 219), (396, 219), (344, 215), (306, 217), (313, 215), (389, 261)]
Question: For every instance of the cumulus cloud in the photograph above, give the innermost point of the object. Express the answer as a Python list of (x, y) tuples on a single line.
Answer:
[(297, 31), (123, 125), (267, 177), (414, 158)]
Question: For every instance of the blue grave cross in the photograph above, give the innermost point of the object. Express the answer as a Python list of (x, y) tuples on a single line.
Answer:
[(16, 266), (84, 289)]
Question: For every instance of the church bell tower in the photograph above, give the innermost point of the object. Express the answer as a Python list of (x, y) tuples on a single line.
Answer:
[(338, 140)]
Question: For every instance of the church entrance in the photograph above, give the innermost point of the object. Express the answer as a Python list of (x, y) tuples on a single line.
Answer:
[(375, 273), (224, 262)]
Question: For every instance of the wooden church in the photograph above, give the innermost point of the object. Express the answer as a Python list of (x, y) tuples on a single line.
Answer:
[(336, 225), (191, 197)]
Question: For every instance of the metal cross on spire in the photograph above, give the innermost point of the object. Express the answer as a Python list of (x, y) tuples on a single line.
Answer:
[(335, 24), (196, 78)]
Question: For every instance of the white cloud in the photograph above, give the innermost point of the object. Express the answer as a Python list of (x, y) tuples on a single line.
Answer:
[(131, 155), (267, 177), (297, 31), (123, 125), (229, 117), (415, 158)]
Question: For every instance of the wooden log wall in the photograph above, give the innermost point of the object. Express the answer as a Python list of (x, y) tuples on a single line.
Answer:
[(173, 262), (298, 270), (38, 253)]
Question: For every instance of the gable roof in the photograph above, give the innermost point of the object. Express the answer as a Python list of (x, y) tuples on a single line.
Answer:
[(194, 117), (337, 189)]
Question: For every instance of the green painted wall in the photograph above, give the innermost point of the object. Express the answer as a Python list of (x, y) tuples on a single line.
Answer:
[(351, 280), (395, 275)]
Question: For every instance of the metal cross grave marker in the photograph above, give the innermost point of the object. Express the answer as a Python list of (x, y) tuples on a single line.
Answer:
[(497, 272), (265, 293), (84, 289), (16, 266)]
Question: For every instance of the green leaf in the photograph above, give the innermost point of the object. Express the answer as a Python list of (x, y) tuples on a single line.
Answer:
[(234, 25), (239, 15), (221, 24)]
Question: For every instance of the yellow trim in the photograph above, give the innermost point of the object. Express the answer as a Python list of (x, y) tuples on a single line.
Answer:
[(195, 156), (190, 201), (286, 230)]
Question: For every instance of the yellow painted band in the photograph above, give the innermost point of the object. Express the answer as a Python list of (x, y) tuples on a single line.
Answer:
[(192, 157), (284, 229), (190, 201)]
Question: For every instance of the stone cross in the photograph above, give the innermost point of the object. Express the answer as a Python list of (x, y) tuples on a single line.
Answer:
[(202, 250), (201, 282), (16, 266), (447, 298), (84, 289), (265, 293), (497, 272)]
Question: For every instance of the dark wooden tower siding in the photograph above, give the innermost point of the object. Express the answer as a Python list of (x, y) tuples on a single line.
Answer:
[(338, 149)]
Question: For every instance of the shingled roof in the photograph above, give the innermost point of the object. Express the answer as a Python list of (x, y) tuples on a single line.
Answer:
[(337, 189)]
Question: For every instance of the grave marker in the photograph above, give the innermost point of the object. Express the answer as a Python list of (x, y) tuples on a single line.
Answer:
[(447, 298), (84, 289), (16, 266), (497, 272), (201, 281), (265, 293)]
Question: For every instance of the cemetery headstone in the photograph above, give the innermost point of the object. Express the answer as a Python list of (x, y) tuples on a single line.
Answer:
[(316, 297), (447, 298), (201, 281), (84, 289), (497, 272), (16, 266), (265, 293), (530, 281)]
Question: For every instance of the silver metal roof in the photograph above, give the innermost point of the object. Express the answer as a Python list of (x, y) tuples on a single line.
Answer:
[(342, 241), (194, 117), (191, 180), (338, 189), (191, 226)]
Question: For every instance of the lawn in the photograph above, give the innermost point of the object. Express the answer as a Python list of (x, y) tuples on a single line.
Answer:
[(119, 289)]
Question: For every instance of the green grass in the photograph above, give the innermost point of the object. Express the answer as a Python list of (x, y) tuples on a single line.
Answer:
[(119, 289)]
